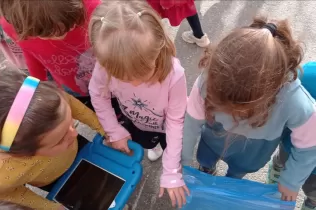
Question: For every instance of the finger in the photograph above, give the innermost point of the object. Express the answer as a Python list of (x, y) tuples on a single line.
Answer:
[(161, 192), (292, 198), (182, 194), (282, 197), (186, 189), (178, 198), (127, 150), (172, 198)]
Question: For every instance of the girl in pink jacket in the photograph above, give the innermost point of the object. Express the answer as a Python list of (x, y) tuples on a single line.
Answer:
[(138, 87)]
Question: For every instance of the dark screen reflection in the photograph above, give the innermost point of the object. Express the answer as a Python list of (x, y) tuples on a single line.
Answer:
[(89, 187)]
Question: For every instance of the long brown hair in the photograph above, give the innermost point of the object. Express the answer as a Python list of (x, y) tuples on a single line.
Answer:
[(42, 115), (43, 18), (129, 40), (246, 70)]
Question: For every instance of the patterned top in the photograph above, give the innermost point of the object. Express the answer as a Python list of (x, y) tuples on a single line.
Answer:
[(40, 171)]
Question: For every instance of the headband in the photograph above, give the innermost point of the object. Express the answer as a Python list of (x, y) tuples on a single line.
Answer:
[(271, 27), (17, 111)]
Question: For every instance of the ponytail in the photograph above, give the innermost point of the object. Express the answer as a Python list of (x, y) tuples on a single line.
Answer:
[(284, 40)]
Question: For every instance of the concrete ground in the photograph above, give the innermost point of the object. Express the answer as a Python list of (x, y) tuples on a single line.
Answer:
[(218, 18)]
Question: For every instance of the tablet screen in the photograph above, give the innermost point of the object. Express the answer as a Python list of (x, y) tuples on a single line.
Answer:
[(89, 187)]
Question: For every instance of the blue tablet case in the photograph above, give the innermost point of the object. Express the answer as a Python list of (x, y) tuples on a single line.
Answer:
[(128, 168)]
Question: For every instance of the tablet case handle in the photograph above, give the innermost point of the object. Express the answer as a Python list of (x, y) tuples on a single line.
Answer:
[(138, 151)]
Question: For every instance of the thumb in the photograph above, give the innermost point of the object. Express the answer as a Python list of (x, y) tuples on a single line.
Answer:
[(127, 150), (161, 192)]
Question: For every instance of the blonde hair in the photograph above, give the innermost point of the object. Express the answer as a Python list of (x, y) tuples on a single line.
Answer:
[(129, 40)]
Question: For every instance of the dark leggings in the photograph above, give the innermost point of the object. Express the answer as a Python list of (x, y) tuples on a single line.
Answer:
[(195, 24), (146, 139)]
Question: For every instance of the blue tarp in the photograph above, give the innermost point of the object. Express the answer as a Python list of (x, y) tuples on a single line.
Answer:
[(222, 193)]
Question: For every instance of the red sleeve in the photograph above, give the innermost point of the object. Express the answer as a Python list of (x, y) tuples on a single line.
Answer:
[(167, 4), (35, 67)]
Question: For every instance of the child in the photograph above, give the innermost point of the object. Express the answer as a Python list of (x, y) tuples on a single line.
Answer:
[(53, 38), (136, 68), (279, 160), (38, 142), (247, 97), (176, 11)]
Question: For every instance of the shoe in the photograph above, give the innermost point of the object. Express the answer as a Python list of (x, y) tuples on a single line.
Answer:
[(273, 174), (306, 206), (155, 153), (211, 171), (188, 36)]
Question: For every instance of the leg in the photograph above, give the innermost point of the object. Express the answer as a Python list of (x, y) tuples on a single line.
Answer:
[(195, 25), (196, 35), (155, 153), (309, 189), (206, 158), (248, 156), (277, 163), (280, 157)]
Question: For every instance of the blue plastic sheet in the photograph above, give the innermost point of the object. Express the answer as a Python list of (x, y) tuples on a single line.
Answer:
[(222, 193)]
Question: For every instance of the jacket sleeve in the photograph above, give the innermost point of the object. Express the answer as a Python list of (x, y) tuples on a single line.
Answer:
[(171, 160), (101, 101), (302, 159), (85, 115), (193, 122)]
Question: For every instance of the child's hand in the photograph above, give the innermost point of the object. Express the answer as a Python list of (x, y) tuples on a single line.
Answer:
[(177, 195), (121, 145), (287, 195)]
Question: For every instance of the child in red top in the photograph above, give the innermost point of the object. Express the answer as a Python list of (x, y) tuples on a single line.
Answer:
[(176, 11), (53, 38)]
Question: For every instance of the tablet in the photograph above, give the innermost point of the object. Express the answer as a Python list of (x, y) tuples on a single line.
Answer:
[(89, 194), (100, 178)]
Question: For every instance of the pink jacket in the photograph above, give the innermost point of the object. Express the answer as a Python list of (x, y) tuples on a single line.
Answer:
[(160, 107)]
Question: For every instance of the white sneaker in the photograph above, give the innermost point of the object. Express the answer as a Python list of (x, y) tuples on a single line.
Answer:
[(188, 36), (155, 153)]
